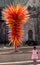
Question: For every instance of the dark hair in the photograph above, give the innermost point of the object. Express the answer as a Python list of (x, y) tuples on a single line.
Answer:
[(34, 47)]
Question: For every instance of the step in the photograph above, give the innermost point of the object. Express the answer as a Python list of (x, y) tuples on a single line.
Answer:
[(24, 49), (19, 63)]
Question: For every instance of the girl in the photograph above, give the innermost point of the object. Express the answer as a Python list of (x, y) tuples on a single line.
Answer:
[(34, 55)]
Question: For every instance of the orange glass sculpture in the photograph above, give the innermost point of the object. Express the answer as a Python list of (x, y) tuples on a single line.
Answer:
[(15, 17)]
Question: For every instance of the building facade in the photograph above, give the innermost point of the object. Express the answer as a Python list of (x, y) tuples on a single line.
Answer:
[(31, 27)]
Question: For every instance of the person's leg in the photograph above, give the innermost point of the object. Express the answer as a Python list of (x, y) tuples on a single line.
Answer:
[(35, 62)]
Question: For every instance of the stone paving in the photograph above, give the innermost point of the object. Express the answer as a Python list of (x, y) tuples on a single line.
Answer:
[(17, 63), (16, 57)]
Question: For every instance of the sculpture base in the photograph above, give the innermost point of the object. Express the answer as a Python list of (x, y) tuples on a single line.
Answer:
[(16, 51)]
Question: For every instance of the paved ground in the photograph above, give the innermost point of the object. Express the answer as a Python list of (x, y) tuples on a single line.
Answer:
[(15, 57), (17, 63), (9, 56)]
